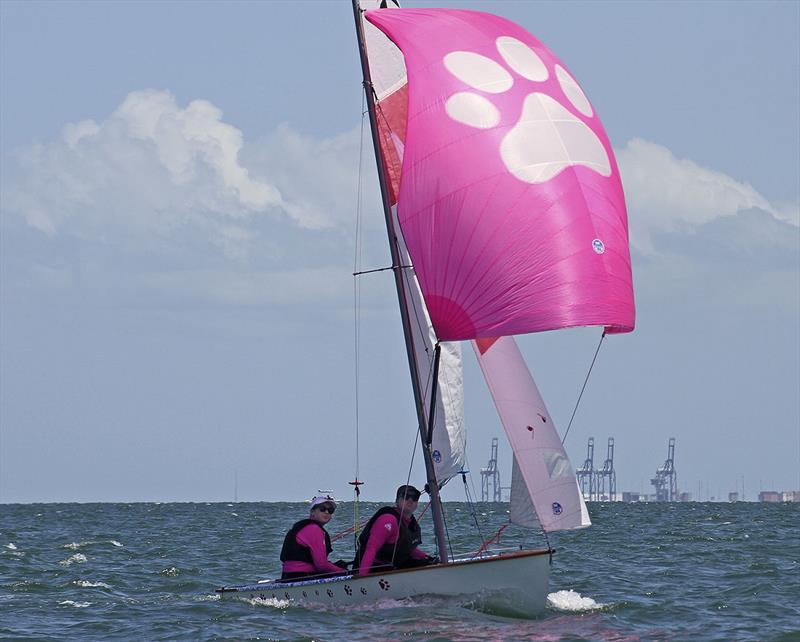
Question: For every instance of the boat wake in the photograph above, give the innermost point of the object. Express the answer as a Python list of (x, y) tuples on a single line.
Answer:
[(572, 602), (76, 546), (270, 602)]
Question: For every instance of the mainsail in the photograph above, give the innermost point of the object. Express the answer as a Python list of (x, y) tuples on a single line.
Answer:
[(391, 93)]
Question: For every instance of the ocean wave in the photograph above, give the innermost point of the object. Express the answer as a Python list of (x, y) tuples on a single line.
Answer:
[(78, 558), (170, 572), (77, 605), (75, 546), (12, 550), (88, 584), (572, 602)]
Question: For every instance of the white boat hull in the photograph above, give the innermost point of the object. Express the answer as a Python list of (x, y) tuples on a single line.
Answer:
[(513, 584)]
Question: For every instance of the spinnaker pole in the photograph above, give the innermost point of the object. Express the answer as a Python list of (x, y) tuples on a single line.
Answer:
[(405, 316)]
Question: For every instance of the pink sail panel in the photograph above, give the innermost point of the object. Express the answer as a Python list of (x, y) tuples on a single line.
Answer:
[(510, 197), (540, 460)]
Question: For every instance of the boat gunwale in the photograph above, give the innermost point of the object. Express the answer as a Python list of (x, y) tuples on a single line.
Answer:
[(352, 577)]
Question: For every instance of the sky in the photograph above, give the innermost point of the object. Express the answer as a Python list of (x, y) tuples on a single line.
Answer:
[(178, 193)]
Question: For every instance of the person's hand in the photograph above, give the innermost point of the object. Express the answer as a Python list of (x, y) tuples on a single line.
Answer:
[(342, 564), (432, 559)]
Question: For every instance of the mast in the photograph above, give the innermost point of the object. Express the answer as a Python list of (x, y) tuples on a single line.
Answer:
[(397, 269)]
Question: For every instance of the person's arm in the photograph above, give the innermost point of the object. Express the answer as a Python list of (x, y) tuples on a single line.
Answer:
[(314, 538), (383, 530), (419, 555)]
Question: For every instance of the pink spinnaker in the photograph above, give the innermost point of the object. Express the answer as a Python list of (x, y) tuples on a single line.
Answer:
[(510, 199)]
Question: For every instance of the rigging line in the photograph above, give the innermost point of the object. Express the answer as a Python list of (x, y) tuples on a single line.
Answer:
[(357, 311), (383, 269), (494, 539), (379, 110), (585, 381), (408, 479), (547, 541), (447, 533), (472, 509)]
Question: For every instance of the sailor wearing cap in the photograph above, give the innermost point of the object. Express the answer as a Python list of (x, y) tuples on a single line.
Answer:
[(391, 537), (307, 544)]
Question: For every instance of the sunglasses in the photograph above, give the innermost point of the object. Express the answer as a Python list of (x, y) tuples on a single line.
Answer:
[(327, 508)]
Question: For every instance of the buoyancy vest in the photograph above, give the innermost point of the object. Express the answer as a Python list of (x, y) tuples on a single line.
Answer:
[(409, 537), (294, 551)]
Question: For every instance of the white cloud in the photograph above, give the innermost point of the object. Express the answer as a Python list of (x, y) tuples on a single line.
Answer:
[(668, 194), (148, 170), (157, 174), (181, 180), (318, 177)]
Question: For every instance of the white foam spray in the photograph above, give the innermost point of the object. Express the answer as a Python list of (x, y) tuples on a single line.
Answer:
[(572, 602), (270, 602), (77, 605), (88, 584), (78, 558)]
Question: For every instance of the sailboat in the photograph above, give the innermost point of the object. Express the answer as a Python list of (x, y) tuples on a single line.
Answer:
[(505, 215)]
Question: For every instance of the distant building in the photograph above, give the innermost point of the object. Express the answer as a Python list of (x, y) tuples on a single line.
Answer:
[(772, 496), (733, 497), (628, 496), (790, 496), (685, 497)]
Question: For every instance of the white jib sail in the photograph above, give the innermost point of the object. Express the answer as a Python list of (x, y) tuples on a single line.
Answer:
[(550, 485), (522, 511)]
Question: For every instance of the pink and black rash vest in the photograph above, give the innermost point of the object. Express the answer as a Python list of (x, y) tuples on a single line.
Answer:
[(294, 551), (398, 548), (306, 548)]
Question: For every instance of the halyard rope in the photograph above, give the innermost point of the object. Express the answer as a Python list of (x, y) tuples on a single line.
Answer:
[(585, 381)]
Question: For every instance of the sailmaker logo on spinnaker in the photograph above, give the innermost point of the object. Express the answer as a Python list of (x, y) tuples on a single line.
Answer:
[(557, 508)]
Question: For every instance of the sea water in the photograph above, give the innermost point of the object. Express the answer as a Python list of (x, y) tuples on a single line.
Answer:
[(690, 571)]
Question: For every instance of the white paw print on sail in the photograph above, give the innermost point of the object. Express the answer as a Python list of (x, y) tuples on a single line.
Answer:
[(548, 138)]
